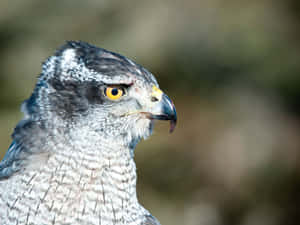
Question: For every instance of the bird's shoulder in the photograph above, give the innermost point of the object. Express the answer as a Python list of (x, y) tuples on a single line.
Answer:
[(26, 148), (10, 163), (150, 220)]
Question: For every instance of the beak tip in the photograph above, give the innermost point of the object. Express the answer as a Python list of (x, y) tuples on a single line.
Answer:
[(172, 126)]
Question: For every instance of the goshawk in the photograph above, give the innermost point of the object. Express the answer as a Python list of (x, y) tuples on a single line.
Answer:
[(71, 159)]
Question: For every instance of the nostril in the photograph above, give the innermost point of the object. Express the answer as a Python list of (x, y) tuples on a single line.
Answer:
[(154, 99)]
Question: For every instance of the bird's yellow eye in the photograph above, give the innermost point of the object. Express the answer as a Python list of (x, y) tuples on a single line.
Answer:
[(114, 93)]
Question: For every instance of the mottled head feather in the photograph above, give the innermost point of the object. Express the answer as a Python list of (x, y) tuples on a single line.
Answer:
[(76, 71)]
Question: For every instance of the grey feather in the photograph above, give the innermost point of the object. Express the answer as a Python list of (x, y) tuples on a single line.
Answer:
[(150, 220)]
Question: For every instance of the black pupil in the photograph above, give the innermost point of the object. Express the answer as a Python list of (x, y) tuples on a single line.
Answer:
[(114, 91)]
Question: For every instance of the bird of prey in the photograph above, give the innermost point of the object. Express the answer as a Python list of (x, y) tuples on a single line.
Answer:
[(72, 156)]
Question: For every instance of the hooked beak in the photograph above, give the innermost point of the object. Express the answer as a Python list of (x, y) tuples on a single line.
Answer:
[(163, 108)]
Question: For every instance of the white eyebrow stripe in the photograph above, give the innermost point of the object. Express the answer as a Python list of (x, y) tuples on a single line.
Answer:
[(74, 68)]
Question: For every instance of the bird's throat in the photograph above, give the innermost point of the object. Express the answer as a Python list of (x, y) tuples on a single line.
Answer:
[(82, 183)]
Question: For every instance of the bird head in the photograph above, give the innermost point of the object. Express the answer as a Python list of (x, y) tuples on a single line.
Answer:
[(83, 87)]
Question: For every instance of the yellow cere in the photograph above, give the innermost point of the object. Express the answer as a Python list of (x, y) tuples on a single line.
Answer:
[(156, 92), (113, 93)]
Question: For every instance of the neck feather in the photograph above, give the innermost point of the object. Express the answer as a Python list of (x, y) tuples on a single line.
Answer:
[(83, 178)]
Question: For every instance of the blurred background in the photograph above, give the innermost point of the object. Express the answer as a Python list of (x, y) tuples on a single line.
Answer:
[(232, 69)]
